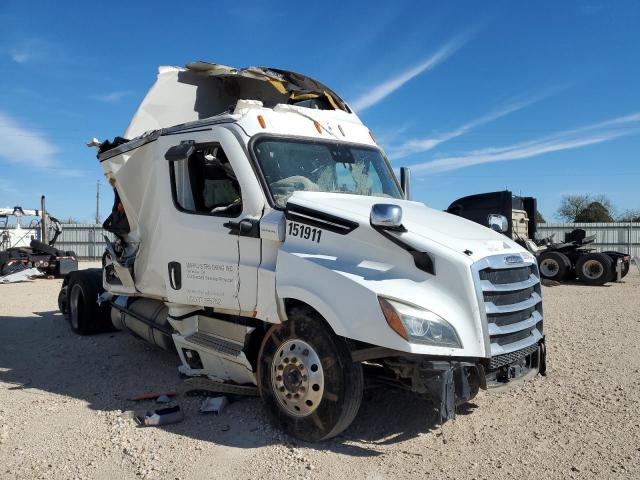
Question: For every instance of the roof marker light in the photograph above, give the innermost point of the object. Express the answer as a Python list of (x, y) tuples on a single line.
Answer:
[(318, 127), (261, 121), (341, 130)]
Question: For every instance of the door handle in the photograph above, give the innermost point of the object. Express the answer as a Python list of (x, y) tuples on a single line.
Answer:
[(247, 227), (175, 275)]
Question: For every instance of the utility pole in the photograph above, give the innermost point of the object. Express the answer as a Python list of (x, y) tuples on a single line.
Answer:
[(98, 201)]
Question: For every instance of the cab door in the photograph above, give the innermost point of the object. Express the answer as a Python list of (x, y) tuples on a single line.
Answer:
[(210, 258)]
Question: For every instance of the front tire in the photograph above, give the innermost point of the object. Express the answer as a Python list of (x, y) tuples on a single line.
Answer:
[(307, 379), (554, 265), (594, 268)]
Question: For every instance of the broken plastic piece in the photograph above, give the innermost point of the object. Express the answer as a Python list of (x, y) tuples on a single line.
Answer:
[(214, 405), (163, 416)]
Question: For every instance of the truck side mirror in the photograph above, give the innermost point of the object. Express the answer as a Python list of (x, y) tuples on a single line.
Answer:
[(180, 152), (386, 216), (405, 182), (497, 222)]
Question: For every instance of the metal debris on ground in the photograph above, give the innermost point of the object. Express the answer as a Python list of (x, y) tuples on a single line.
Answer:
[(21, 276), (163, 416), (153, 395), (214, 405), (195, 385), (163, 399)]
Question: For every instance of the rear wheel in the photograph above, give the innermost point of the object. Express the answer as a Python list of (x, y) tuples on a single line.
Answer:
[(307, 378), (85, 315), (594, 268), (554, 265)]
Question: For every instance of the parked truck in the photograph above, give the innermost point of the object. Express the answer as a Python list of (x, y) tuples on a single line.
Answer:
[(571, 259), (262, 234), (32, 245)]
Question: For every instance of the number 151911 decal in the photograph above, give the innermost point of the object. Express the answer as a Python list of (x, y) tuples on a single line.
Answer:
[(305, 231)]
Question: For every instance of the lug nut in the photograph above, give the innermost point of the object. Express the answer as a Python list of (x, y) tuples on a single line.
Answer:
[(296, 395), (280, 367), (288, 395), (279, 378), (286, 360), (281, 389), (294, 360)]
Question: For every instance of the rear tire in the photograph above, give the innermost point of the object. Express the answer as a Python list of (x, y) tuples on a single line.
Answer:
[(85, 316), (554, 265), (307, 379), (594, 268)]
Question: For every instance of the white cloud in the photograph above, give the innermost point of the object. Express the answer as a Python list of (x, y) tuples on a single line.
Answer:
[(113, 97), (379, 92), (567, 140), (35, 49), (21, 145), (414, 146), (21, 57)]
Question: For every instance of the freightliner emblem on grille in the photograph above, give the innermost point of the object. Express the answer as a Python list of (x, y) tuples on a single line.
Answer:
[(511, 259)]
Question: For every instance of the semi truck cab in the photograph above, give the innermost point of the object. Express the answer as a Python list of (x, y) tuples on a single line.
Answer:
[(263, 235)]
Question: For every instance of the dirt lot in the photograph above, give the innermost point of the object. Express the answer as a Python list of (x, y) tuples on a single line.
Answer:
[(63, 403)]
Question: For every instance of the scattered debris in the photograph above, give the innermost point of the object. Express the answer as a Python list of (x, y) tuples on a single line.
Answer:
[(163, 416), (214, 405), (549, 283), (21, 276), (153, 395), (163, 399)]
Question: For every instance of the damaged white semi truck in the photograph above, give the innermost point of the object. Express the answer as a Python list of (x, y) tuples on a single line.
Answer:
[(262, 234)]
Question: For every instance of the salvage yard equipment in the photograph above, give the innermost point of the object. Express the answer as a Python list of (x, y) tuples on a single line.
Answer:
[(30, 247), (559, 261), (262, 234)]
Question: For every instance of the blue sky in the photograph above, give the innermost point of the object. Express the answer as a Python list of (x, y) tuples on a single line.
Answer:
[(542, 98)]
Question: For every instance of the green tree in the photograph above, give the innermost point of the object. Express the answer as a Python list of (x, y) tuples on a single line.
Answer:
[(573, 207), (594, 212), (539, 217)]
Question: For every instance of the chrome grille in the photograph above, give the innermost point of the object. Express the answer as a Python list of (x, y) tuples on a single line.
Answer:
[(507, 275), (512, 305)]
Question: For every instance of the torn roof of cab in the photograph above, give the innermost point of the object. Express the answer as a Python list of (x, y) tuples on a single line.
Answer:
[(202, 90)]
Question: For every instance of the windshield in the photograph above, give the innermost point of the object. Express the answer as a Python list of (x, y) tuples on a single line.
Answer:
[(314, 166)]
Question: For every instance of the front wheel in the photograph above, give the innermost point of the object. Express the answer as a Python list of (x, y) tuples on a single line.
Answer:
[(307, 378), (554, 265)]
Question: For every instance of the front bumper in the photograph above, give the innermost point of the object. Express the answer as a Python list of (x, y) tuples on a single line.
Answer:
[(452, 382)]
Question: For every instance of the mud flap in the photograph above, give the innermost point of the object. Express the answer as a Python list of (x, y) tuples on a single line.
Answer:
[(442, 389), (449, 386), (542, 359)]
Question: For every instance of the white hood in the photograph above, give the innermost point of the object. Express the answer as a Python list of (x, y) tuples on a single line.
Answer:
[(451, 231)]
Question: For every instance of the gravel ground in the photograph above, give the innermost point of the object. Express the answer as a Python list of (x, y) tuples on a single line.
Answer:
[(63, 408)]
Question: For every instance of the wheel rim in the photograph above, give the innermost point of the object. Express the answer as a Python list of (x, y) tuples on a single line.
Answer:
[(74, 306), (592, 269), (297, 378), (549, 267)]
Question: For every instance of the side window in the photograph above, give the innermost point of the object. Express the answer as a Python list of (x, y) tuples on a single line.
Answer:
[(205, 183)]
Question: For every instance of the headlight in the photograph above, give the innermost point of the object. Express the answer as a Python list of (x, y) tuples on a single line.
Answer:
[(419, 325)]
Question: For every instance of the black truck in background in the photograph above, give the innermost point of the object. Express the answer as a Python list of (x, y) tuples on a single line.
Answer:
[(574, 258)]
